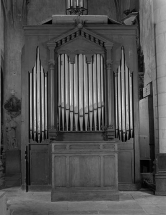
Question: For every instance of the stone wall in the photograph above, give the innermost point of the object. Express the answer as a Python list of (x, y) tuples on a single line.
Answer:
[(147, 39), (147, 45), (2, 44), (48, 8), (14, 41), (159, 8)]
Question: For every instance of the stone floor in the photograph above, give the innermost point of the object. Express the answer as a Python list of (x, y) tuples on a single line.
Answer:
[(39, 203)]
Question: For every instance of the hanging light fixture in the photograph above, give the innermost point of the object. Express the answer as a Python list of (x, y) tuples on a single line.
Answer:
[(76, 7)]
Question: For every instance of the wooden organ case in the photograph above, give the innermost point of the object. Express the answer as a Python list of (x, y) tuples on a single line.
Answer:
[(80, 110)]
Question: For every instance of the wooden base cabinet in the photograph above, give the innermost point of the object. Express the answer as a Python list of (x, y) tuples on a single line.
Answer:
[(84, 171)]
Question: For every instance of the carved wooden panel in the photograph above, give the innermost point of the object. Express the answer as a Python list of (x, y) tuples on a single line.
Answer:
[(87, 167), (108, 170), (38, 165), (126, 163), (60, 171), (84, 171)]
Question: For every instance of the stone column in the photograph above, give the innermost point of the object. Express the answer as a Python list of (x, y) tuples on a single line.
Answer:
[(159, 8)]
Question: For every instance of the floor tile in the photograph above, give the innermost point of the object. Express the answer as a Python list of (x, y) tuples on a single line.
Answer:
[(130, 203)]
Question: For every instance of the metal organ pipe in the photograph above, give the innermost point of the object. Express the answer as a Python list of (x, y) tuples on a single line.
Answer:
[(67, 91), (102, 90), (71, 91), (34, 102), (76, 93), (59, 91), (30, 104), (116, 105), (42, 101), (81, 100), (123, 101), (38, 97), (123, 96), (131, 103), (99, 90), (38, 102), (84, 93), (63, 91), (90, 96), (119, 104), (46, 105), (95, 92), (127, 102)]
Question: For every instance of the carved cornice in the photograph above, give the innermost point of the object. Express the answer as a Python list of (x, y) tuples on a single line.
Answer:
[(80, 32)]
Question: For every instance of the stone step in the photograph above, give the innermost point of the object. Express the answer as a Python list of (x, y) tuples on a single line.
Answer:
[(3, 204)]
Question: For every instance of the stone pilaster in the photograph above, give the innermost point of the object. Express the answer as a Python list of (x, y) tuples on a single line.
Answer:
[(159, 8)]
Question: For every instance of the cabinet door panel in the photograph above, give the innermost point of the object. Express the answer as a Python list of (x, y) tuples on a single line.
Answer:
[(39, 165), (125, 166)]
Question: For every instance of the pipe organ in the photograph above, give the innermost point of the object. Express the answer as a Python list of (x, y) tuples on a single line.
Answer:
[(80, 93), (80, 110), (38, 104), (123, 101)]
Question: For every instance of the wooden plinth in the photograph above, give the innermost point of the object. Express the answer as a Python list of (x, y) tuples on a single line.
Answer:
[(84, 170)]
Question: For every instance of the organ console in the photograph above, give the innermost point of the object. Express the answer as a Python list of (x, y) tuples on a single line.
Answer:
[(80, 119)]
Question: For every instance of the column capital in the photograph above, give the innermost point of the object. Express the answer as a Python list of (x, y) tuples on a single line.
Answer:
[(116, 74), (109, 66), (51, 62), (109, 62), (108, 46), (51, 48)]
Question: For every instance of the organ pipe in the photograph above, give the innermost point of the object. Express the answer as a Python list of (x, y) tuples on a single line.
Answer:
[(59, 91), (66, 69), (123, 101), (95, 92), (63, 91), (34, 102), (90, 96), (76, 93), (127, 101), (42, 101), (71, 95), (123, 95), (102, 90), (116, 105), (119, 104), (85, 93), (30, 104), (99, 90), (38, 97), (81, 75), (38, 102), (46, 107), (81, 98), (131, 103)]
